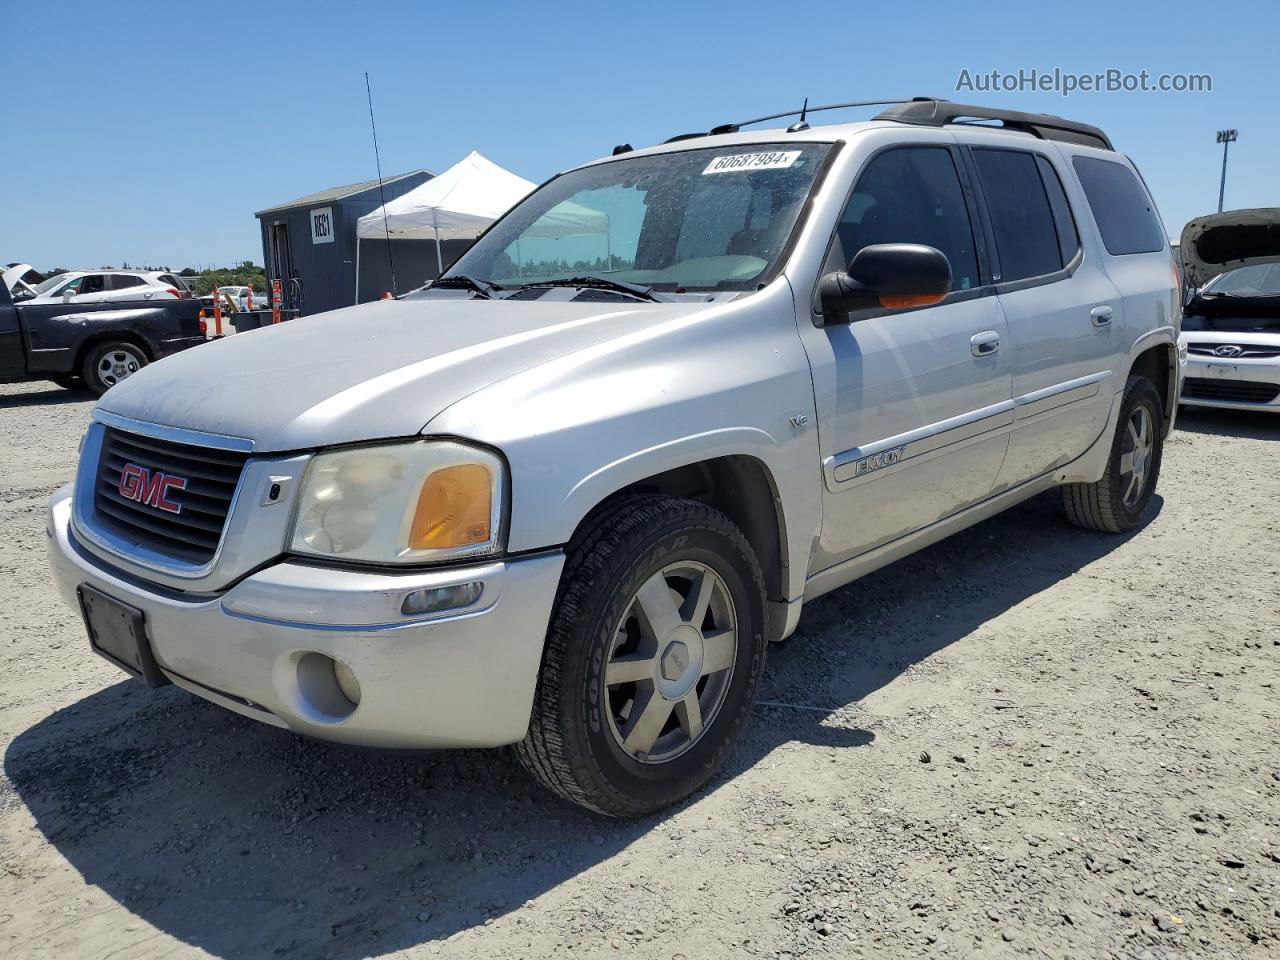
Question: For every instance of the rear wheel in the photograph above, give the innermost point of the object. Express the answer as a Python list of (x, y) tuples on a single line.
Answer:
[(652, 659), (1116, 502), (110, 363)]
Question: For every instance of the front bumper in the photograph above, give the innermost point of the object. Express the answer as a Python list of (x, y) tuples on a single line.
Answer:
[(464, 678), (1228, 383)]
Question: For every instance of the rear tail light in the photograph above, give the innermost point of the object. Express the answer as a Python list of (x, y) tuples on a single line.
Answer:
[(176, 293), (204, 326)]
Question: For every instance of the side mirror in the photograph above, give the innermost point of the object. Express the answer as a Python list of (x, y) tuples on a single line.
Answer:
[(68, 293), (888, 275)]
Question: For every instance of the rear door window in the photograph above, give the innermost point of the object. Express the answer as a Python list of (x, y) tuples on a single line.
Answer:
[(1027, 240), (122, 281), (910, 195), (1125, 216)]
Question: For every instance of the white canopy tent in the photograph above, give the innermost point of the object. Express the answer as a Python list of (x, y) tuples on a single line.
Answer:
[(461, 203)]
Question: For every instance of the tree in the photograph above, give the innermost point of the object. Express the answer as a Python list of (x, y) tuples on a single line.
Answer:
[(245, 274)]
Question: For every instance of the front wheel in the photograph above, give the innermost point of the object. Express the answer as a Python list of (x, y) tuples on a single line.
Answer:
[(110, 363), (652, 658), (1116, 502)]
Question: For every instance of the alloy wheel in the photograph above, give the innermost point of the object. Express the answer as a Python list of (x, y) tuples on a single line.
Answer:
[(671, 662), (1135, 454), (118, 365)]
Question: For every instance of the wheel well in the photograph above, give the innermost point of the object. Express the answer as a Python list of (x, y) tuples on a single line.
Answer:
[(739, 487), (1158, 364), (122, 336)]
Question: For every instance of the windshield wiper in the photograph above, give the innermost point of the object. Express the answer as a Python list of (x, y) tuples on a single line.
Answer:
[(600, 283), (464, 281)]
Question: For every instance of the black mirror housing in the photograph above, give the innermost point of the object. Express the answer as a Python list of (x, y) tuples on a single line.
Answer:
[(889, 275)]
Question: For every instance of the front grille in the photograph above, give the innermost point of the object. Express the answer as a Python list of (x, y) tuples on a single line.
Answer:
[(1249, 350), (193, 533), (1238, 391)]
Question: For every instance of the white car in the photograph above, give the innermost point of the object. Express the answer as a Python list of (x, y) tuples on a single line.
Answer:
[(98, 286), (1231, 328), (241, 297)]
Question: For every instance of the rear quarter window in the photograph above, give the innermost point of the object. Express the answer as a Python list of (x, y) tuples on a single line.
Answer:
[(1125, 216)]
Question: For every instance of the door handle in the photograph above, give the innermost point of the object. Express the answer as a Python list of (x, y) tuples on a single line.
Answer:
[(985, 343), (1101, 316)]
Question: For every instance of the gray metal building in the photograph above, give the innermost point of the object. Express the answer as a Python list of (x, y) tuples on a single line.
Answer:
[(309, 244)]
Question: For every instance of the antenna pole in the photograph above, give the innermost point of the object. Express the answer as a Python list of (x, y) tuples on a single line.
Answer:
[(382, 197)]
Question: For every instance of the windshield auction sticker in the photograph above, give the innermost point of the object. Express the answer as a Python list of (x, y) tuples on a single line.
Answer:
[(746, 162)]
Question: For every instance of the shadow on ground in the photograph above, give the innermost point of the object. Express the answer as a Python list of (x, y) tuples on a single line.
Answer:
[(246, 841), (1250, 424), (43, 396)]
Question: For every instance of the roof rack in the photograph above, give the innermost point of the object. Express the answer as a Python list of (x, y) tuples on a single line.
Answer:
[(801, 113), (932, 112), (1046, 126)]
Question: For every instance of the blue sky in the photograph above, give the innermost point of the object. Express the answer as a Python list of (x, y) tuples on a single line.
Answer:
[(119, 115)]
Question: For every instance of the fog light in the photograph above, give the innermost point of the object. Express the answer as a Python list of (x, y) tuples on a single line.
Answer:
[(441, 598), (347, 681)]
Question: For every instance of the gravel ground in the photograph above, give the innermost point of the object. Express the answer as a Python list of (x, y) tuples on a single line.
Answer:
[(1025, 741)]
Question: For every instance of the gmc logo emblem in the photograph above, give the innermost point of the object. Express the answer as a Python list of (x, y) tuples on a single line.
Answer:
[(152, 489)]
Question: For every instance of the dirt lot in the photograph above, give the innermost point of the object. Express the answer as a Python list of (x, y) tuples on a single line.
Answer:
[(1027, 740)]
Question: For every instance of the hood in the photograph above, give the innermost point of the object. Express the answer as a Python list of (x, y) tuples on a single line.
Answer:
[(12, 278), (1224, 241), (370, 372)]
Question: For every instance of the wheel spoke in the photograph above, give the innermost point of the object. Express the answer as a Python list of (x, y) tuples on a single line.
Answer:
[(1133, 435), (694, 610), (629, 669), (689, 713), (1135, 484), (718, 649), (1126, 462), (657, 606), (649, 716)]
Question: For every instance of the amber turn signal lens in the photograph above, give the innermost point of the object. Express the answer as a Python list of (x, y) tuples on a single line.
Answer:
[(911, 300), (454, 508)]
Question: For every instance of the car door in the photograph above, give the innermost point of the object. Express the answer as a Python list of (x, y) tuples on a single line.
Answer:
[(91, 288), (124, 286), (13, 356), (913, 404), (1061, 308)]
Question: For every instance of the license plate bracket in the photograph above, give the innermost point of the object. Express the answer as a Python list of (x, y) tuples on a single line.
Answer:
[(118, 632)]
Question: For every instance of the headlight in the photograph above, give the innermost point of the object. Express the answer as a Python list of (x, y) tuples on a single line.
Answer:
[(401, 503)]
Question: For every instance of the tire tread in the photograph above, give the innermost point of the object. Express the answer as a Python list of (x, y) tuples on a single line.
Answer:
[(1093, 506), (543, 752)]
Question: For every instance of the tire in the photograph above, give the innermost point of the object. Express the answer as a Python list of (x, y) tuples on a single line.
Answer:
[(1116, 503), (106, 364), (625, 748)]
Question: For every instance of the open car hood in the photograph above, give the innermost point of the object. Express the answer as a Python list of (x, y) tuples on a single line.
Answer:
[(1225, 241), (12, 278)]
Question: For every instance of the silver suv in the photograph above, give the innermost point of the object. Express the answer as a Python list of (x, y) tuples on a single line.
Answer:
[(564, 497)]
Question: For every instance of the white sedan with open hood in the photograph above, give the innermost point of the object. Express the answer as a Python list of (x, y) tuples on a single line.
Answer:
[(1231, 327)]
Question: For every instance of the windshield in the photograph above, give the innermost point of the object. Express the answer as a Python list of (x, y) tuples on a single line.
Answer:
[(1256, 280), (52, 282), (711, 219)]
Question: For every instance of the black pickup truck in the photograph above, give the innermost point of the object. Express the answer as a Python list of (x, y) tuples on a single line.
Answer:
[(98, 344)]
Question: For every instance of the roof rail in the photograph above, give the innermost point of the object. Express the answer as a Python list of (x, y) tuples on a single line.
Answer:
[(801, 113), (936, 113)]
